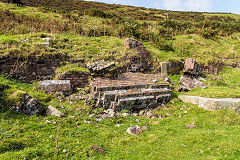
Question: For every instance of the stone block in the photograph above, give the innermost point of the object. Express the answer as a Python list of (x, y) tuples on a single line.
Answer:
[(53, 86), (213, 104), (164, 69)]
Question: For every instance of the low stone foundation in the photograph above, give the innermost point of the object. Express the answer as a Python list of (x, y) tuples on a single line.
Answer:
[(131, 91), (213, 104), (77, 79), (53, 86)]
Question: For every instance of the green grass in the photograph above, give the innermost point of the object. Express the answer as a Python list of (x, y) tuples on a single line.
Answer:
[(224, 85), (35, 137)]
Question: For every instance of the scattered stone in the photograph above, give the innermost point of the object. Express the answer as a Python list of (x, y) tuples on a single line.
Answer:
[(62, 107), (45, 44), (191, 125), (96, 148), (185, 112), (91, 115), (26, 40), (88, 122), (154, 122), (64, 150), (104, 116), (47, 39), (148, 113), (192, 67), (135, 130), (52, 111), (99, 119), (54, 122), (183, 145), (141, 112), (28, 105), (187, 83), (135, 114), (155, 81), (125, 114), (145, 128), (137, 120), (53, 86), (111, 113)]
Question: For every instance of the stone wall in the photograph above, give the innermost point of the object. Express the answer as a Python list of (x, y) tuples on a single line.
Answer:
[(30, 69), (77, 79)]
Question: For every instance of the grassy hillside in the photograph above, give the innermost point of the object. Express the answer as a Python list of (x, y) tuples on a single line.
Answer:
[(85, 32), (23, 137)]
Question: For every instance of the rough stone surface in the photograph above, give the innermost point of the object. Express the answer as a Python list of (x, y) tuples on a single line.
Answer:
[(191, 125), (103, 69), (131, 91), (77, 79), (53, 86), (164, 69), (135, 130), (29, 106), (53, 111), (139, 58), (96, 148), (213, 103), (187, 83), (30, 69), (192, 67)]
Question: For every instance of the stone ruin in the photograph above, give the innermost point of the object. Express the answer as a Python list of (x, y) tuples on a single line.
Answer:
[(137, 57), (29, 106), (131, 91), (53, 86), (191, 78)]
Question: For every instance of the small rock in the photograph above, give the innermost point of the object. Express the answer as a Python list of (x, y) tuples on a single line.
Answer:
[(183, 145), (185, 112), (104, 116), (191, 125), (155, 81), (54, 122), (145, 128), (47, 39), (26, 40), (154, 122), (62, 107), (149, 114), (64, 150), (45, 44), (125, 114), (96, 148), (137, 120), (47, 121), (99, 119), (135, 130), (91, 115), (88, 122), (141, 112), (53, 111), (111, 113), (135, 114)]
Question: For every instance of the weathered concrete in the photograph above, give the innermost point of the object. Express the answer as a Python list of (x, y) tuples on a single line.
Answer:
[(53, 86), (213, 103)]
